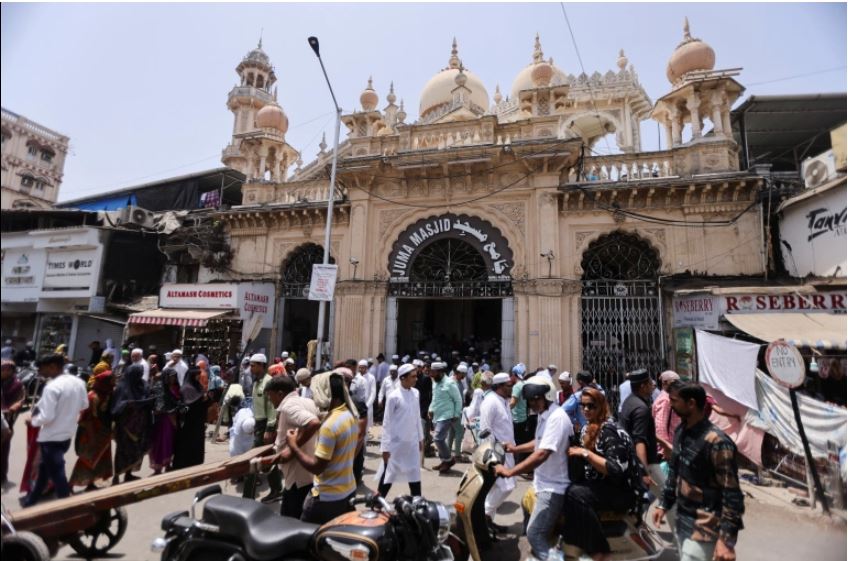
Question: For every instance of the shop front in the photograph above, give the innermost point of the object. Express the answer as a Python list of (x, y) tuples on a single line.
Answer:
[(217, 320)]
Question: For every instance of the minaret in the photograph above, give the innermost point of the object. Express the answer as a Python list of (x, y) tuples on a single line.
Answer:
[(258, 147)]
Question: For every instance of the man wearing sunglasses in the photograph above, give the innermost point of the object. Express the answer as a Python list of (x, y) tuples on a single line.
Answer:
[(548, 460)]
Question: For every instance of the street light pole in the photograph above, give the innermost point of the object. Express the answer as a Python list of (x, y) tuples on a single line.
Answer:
[(322, 304)]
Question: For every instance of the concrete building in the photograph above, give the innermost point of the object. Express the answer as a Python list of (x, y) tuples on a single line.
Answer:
[(33, 162)]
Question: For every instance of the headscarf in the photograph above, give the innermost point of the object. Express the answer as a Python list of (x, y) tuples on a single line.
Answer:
[(215, 380), (130, 388), (191, 390), (164, 398), (203, 375), (103, 383), (322, 396)]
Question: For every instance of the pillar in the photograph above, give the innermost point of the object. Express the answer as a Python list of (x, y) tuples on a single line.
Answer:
[(391, 326), (507, 332), (692, 105), (676, 126)]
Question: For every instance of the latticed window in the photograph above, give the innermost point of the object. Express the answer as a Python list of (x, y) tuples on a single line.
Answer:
[(620, 256), (297, 269)]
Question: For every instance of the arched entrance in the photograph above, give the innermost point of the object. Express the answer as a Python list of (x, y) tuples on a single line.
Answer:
[(450, 289), (300, 316), (620, 309)]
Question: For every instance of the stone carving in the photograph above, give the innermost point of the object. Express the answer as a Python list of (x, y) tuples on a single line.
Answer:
[(281, 250), (515, 212), (388, 217), (579, 238)]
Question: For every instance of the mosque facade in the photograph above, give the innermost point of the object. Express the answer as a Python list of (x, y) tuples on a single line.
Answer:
[(489, 221)]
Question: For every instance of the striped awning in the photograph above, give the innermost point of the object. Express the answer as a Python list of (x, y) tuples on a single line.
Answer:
[(817, 330), (182, 318)]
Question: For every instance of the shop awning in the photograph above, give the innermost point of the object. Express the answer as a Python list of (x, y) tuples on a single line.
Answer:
[(822, 331), (183, 318)]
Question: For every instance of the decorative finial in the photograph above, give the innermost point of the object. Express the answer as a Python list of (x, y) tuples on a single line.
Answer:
[(275, 93), (261, 30), (538, 56), (497, 97), (454, 61), (370, 83), (401, 114), (391, 97), (299, 162), (622, 60), (686, 35), (323, 144)]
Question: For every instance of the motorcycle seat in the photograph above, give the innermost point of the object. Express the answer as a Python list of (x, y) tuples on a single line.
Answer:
[(265, 534)]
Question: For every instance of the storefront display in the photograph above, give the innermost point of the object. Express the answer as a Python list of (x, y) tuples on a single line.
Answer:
[(54, 330), (219, 340)]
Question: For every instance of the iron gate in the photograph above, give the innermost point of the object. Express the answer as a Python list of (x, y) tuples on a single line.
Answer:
[(621, 331)]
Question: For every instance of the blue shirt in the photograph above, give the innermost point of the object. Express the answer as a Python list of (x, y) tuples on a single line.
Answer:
[(573, 410)]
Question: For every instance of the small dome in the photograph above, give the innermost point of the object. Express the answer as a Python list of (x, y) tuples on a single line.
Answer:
[(369, 98), (545, 73), (691, 54), (272, 117), (439, 90)]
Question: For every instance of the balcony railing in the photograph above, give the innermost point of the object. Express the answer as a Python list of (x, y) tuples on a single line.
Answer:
[(625, 167), (250, 91)]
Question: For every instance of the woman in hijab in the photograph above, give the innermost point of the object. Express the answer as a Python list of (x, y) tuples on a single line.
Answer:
[(131, 412), (190, 441), (165, 392), (94, 435)]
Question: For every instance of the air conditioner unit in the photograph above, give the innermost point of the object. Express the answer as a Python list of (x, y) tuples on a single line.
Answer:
[(818, 169), (137, 217)]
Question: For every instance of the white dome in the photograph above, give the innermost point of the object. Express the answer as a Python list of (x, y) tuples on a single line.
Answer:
[(524, 79), (439, 90)]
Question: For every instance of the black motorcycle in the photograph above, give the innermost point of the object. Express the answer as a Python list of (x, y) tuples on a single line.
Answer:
[(238, 529)]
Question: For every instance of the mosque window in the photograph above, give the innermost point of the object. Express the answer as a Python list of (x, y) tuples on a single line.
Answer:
[(47, 155), (32, 150), (27, 181)]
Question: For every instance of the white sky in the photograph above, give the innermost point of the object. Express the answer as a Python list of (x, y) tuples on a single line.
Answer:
[(141, 89)]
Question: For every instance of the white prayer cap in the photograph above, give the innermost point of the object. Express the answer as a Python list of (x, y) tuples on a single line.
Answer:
[(302, 375), (487, 378), (438, 366), (258, 357), (565, 376), (362, 362), (462, 368), (463, 363), (167, 356), (370, 360), (500, 378), (418, 363), (285, 354), (552, 367), (404, 370), (137, 352), (393, 367), (176, 352), (395, 357), (289, 361), (405, 358), (344, 371)]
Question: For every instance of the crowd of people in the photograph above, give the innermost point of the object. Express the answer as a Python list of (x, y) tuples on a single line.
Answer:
[(558, 430)]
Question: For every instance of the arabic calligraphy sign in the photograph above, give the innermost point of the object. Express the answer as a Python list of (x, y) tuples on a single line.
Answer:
[(482, 235)]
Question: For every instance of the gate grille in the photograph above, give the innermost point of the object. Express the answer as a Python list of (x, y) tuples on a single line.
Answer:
[(621, 331)]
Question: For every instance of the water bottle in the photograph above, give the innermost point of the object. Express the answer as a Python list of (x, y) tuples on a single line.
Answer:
[(555, 553)]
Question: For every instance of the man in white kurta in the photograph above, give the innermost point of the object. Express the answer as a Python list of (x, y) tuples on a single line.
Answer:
[(402, 444), (496, 417), (390, 382)]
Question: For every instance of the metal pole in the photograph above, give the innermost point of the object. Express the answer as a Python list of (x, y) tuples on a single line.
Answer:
[(322, 305)]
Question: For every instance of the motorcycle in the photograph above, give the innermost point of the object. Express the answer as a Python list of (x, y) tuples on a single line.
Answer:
[(238, 529), (33, 384), (629, 538)]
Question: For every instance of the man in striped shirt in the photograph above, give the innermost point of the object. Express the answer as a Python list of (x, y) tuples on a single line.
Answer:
[(332, 463)]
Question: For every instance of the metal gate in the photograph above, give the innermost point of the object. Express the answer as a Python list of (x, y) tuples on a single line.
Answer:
[(620, 318)]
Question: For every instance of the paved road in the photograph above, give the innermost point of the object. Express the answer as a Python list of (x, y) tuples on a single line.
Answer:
[(772, 531)]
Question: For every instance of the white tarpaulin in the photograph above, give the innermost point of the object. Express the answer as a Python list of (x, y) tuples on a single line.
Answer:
[(728, 365), (822, 421)]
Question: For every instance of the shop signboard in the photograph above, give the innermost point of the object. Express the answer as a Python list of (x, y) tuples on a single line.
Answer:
[(23, 272), (248, 298), (72, 273), (323, 283), (812, 234), (699, 311)]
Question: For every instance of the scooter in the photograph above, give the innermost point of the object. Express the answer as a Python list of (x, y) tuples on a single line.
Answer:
[(629, 538), (238, 529)]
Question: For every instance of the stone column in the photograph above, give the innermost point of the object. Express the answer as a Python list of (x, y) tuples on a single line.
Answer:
[(669, 136), (715, 106), (676, 126), (692, 105)]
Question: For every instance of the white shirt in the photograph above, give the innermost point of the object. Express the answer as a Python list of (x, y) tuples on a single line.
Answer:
[(146, 365), (473, 410), (241, 433), (552, 433), (496, 417), (371, 385), (386, 388), (306, 392), (59, 408), (181, 367), (359, 388)]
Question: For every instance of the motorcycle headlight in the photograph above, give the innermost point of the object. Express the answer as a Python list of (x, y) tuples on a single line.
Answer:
[(447, 518)]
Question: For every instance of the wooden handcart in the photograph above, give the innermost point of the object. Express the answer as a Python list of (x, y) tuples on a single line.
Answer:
[(92, 523)]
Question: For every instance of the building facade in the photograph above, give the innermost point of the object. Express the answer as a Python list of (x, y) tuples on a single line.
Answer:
[(490, 222), (33, 162)]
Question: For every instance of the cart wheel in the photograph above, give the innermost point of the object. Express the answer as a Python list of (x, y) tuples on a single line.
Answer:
[(25, 546), (100, 538)]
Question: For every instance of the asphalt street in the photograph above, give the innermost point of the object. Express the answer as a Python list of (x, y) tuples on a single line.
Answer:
[(772, 530)]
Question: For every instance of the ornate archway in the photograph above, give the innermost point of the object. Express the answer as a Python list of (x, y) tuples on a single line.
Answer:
[(620, 318)]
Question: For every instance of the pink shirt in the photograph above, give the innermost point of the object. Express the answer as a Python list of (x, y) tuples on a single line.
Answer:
[(665, 419)]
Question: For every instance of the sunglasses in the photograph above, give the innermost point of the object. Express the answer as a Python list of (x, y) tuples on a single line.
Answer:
[(589, 406)]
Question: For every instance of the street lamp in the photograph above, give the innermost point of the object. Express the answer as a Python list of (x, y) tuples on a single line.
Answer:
[(322, 304)]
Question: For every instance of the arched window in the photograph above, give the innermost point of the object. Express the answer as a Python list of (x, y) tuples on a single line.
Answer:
[(250, 79), (620, 256), (448, 261), (260, 81), (296, 271), (27, 181), (47, 155), (32, 149)]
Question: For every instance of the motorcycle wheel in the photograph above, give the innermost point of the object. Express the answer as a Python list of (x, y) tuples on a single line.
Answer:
[(25, 546), (97, 540)]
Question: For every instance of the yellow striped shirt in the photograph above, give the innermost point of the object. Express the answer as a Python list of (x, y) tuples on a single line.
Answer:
[(337, 439)]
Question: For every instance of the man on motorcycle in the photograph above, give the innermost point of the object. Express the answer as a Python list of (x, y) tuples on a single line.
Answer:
[(495, 417), (548, 460), (25, 355)]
